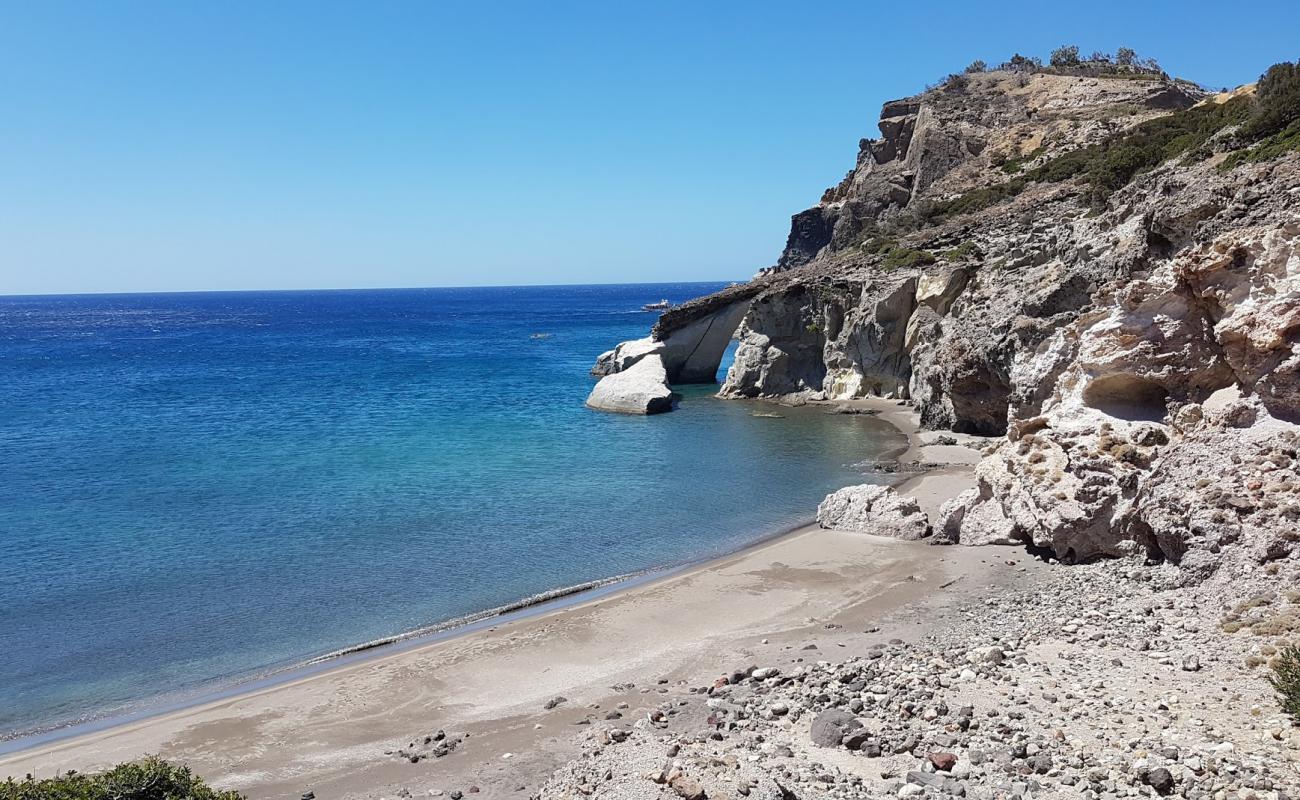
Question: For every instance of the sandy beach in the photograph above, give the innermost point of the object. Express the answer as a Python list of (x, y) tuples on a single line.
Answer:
[(338, 733)]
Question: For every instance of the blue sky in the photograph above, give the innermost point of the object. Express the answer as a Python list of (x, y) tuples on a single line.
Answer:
[(160, 146)]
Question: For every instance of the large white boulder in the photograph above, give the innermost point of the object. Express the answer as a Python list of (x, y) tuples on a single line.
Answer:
[(625, 355), (868, 508), (642, 388)]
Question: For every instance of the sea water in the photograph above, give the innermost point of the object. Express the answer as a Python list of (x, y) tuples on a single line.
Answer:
[(200, 489)]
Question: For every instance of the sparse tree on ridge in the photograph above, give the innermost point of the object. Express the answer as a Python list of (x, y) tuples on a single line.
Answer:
[(1126, 57), (1067, 55)]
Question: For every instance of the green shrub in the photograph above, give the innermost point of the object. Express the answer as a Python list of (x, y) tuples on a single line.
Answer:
[(978, 199), (1273, 126), (1109, 165), (902, 257), (1067, 55), (150, 779), (877, 245), (1286, 680), (1267, 150), (1012, 166), (966, 251), (977, 66), (1277, 102)]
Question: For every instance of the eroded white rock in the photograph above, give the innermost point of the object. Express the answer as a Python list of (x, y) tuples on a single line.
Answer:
[(868, 508), (642, 388)]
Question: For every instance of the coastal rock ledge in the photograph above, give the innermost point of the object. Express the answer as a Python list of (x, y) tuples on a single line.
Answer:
[(868, 508), (642, 388)]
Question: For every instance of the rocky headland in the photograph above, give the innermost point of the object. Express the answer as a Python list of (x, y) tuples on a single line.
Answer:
[(1097, 270)]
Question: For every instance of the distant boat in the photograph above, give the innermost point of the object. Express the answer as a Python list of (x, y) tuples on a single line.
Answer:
[(662, 305), (541, 336)]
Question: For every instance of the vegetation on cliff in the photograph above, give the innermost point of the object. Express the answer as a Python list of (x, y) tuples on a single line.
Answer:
[(1286, 680), (150, 779), (1268, 126)]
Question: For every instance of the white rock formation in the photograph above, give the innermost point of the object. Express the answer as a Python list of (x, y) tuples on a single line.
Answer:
[(1126, 456), (625, 354), (642, 388), (868, 508)]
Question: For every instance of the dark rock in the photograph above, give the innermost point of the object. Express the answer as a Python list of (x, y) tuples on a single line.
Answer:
[(1160, 779), (943, 761), (830, 727)]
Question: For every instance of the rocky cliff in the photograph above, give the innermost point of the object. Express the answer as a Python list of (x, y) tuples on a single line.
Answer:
[(1089, 265)]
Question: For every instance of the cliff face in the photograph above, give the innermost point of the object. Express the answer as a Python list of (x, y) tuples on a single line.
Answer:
[(1088, 265), (860, 311)]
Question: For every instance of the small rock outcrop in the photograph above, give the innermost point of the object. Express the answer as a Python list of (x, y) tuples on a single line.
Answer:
[(642, 388), (868, 508)]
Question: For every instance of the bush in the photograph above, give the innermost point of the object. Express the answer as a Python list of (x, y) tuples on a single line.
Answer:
[(956, 82), (1277, 102), (966, 251), (977, 66), (1111, 164), (1067, 55), (878, 245), (978, 199), (150, 779), (1126, 57), (1019, 63), (904, 257), (1286, 680), (1269, 149)]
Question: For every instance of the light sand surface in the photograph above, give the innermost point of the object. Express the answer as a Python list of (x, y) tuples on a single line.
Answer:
[(335, 733), (328, 733)]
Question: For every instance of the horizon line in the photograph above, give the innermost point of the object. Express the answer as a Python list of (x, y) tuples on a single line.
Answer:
[(355, 289)]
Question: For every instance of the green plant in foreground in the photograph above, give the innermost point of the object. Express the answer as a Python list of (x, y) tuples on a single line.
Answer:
[(1286, 680), (149, 779)]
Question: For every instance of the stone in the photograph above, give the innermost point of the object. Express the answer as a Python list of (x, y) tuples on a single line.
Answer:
[(1160, 779), (943, 761), (640, 389), (829, 727), (687, 788), (870, 508)]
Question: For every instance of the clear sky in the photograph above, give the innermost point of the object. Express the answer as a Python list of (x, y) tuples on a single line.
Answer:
[(187, 145)]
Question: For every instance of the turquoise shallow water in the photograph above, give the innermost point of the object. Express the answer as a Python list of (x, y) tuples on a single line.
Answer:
[(200, 488)]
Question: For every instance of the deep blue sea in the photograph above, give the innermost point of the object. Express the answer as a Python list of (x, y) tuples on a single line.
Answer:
[(197, 489)]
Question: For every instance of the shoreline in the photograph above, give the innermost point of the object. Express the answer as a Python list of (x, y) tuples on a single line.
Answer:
[(541, 603), (208, 731)]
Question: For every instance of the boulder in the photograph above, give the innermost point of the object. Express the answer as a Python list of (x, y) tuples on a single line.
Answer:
[(625, 355), (642, 388), (831, 726), (868, 508)]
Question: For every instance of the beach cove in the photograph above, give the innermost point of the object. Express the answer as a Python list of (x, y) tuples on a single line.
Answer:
[(343, 731)]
